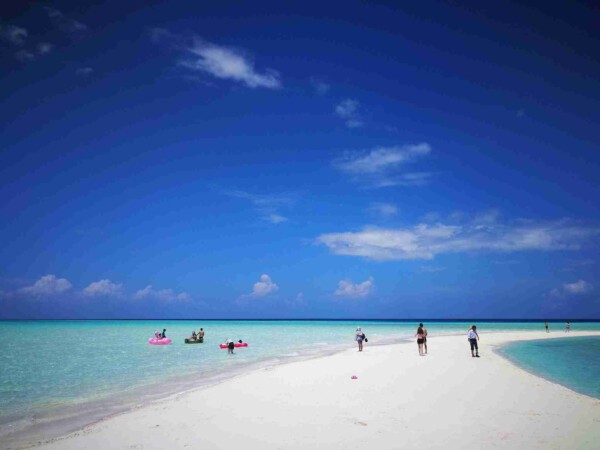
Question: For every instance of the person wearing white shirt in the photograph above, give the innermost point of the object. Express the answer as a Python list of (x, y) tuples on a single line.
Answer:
[(473, 338)]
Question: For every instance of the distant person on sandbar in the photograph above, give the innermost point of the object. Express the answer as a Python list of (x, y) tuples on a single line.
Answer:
[(547, 331), (424, 337), (360, 337), (419, 335), (568, 327), (473, 338)]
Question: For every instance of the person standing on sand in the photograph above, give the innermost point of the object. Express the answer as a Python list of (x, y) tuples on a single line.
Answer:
[(568, 327), (359, 337), (419, 334), (473, 338), (547, 327), (424, 337)]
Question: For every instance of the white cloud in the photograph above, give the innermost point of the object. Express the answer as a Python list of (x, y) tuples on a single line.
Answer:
[(184, 296), (425, 241), (349, 290), (44, 48), (320, 86), (348, 110), (47, 285), (24, 56), (405, 179), (487, 218), (14, 35), (163, 294), (143, 293), (103, 288), (276, 218), (384, 209), (263, 287), (432, 269), (266, 205), (228, 64), (84, 71), (158, 34), (65, 23), (381, 159), (571, 289), (382, 166), (578, 287)]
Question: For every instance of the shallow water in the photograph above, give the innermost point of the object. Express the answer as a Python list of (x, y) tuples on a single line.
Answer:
[(53, 370), (573, 362)]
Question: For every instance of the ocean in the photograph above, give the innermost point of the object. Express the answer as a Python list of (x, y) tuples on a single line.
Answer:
[(573, 362), (59, 373)]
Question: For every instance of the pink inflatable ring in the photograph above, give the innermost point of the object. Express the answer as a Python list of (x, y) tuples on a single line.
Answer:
[(154, 341), (236, 345)]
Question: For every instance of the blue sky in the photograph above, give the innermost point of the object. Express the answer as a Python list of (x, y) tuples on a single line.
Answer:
[(299, 160)]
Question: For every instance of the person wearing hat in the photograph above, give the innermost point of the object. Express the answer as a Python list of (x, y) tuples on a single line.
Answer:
[(360, 337)]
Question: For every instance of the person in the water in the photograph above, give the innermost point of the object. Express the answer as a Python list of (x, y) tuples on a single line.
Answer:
[(163, 334), (230, 346)]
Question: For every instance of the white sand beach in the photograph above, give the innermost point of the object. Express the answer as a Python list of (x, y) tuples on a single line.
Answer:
[(446, 399)]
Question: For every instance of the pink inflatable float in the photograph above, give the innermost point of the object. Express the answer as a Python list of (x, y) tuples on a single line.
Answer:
[(154, 341), (236, 345)]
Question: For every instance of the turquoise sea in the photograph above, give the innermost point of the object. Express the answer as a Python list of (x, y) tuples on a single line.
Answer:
[(573, 362), (69, 373)]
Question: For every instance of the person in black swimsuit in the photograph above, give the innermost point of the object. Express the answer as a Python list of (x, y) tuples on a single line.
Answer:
[(419, 334)]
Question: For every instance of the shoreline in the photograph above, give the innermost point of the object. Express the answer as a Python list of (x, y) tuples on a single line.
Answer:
[(67, 419), (116, 421)]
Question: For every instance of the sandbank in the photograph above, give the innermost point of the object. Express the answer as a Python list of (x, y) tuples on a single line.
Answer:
[(446, 399)]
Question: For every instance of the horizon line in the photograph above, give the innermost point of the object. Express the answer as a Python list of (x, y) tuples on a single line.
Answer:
[(459, 319)]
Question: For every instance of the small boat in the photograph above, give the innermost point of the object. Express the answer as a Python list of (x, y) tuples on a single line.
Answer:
[(194, 341)]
